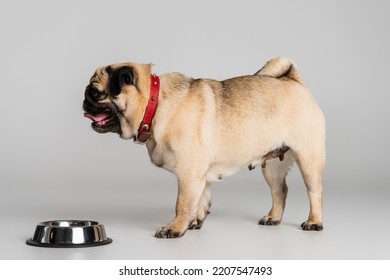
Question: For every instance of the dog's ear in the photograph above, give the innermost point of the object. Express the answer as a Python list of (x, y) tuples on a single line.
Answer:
[(120, 77)]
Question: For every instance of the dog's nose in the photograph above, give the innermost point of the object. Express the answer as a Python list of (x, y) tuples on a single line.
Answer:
[(92, 93)]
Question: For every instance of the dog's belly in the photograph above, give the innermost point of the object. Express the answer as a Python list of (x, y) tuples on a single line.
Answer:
[(227, 167), (217, 172)]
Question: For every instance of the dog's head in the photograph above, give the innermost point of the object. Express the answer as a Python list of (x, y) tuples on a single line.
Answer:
[(116, 97)]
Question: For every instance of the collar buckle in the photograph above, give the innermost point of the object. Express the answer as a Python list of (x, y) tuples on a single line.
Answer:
[(142, 138)]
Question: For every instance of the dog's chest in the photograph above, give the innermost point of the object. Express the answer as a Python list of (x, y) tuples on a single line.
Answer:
[(162, 156)]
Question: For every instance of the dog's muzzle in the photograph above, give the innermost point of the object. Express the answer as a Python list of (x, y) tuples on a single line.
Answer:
[(104, 117)]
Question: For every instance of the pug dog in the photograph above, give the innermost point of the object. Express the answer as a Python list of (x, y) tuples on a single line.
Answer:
[(203, 130)]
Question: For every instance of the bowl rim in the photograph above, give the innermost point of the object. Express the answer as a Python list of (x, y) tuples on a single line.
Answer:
[(63, 223)]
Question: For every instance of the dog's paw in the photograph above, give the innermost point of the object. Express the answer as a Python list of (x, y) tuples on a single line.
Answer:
[(166, 232), (309, 225), (196, 224), (269, 221)]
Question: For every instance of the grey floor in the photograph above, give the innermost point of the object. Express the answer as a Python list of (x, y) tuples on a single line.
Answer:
[(357, 224)]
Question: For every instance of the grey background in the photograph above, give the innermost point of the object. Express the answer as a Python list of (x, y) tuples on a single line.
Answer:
[(53, 166)]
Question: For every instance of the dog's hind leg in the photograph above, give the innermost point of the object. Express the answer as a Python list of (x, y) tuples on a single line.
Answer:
[(311, 163), (275, 173)]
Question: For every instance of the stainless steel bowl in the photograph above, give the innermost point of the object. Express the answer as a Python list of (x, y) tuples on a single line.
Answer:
[(69, 234)]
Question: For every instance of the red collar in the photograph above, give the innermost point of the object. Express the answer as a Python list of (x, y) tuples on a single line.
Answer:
[(143, 133)]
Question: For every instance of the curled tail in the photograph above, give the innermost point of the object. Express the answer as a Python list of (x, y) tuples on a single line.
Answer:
[(281, 67)]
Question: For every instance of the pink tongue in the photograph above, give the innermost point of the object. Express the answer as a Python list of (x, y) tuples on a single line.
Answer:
[(97, 118)]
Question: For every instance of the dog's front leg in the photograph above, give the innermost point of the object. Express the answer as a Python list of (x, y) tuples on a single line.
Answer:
[(190, 193)]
